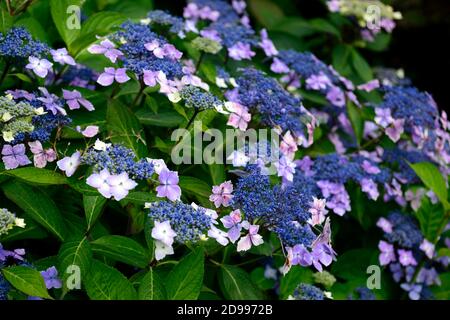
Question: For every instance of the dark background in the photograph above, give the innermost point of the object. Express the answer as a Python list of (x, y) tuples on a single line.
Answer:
[(420, 43)]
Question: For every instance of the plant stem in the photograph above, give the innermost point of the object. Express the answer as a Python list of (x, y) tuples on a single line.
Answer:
[(5, 72), (196, 112), (114, 91), (8, 5), (197, 66), (138, 96), (59, 74)]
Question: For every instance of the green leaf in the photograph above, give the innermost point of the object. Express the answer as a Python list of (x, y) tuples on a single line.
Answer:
[(151, 287), (195, 186), (381, 43), (93, 207), (74, 253), (236, 284), (148, 237), (6, 20), (442, 292), (324, 26), (163, 119), (361, 66), (356, 120), (21, 77), (140, 197), (185, 280), (122, 249), (61, 18), (444, 252), (81, 187), (26, 280), (125, 128), (353, 263), (341, 56), (37, 205), (99, 24), (37, 176), (217, 172), (430, 219), (432, 179), (266, 12), (106, 283), (292, 279), (258, 278), (299, 27)]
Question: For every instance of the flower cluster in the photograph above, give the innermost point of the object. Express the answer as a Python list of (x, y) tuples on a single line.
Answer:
[(141, 49), (228, 25), (16, 258), (195, 98), (50, 114), (15, 118), (8, 220), (163, 18), (176, 221), (17, 45), (265, 96), (9, 258), (411, 257), (307, 292), (371, 16)]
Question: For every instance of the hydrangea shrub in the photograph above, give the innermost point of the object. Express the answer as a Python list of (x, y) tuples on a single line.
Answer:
[(347, 198)]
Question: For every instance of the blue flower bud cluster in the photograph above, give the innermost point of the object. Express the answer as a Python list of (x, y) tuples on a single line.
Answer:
[(265, 95), (164, 18), (117, 159), (199, 99), (306, 291), (18, 44), (188, 223), (132, 38)]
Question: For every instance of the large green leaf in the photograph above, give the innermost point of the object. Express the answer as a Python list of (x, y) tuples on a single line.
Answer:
[(361, 66), (341, 56), (151, 287), (140, 197), (121, 249), (37, 176), (266, 12), (353, 263), (62, 18), (37, 205), (162, 119), (93, 207), (236, 284), (299, 27), (430, 219), (185, 280), (217, 172), (27, 280), (6, 20), (356, 120), (195, 186), (125, 128), (432, 179), (442, 292), (106, 283), (74, 253)]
